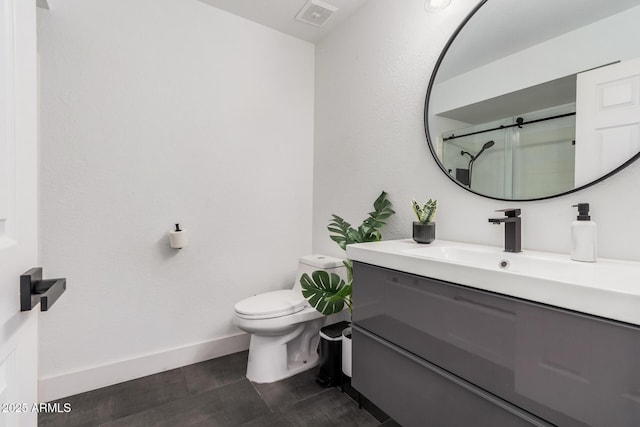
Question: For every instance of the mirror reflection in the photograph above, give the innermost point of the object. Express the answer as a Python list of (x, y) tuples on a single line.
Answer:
[(536, 98)]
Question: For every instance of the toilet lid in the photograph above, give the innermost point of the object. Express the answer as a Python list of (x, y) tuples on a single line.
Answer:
[(272, 304)]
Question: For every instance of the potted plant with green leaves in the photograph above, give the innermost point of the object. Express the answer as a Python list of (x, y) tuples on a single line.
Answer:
[(328, 292), (424, 229)]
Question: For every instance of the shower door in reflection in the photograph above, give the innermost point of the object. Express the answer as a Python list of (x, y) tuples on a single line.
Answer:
[(520, 157)]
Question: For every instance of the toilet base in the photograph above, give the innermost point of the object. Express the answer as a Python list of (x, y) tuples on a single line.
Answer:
[(276, 358), (298, 367)]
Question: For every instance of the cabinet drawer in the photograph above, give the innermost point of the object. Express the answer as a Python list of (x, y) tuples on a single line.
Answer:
[(417, 393)]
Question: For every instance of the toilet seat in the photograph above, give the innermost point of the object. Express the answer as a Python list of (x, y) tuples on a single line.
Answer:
[(271, 304)]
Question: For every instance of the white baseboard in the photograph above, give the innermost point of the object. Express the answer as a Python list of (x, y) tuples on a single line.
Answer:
[(59, 386)]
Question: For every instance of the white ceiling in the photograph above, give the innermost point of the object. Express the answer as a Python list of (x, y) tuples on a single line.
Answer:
[(280, 15)]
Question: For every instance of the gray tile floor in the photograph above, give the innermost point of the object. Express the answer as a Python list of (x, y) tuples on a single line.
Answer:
[(213, 393)]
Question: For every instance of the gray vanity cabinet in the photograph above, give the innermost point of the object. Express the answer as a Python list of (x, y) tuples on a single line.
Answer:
[(433, 353)]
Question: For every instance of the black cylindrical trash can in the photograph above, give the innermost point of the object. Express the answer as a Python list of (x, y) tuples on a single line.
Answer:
[(330, 374)]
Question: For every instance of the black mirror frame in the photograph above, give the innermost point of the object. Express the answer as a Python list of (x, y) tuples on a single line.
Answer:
[(444, 169)]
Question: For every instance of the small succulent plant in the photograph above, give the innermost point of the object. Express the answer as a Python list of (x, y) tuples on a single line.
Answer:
[(426, 213)]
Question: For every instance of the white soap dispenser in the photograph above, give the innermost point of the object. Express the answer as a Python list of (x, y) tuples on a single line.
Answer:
[(584, 235)]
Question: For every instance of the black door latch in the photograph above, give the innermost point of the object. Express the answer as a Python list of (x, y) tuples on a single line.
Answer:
[(34, 290)]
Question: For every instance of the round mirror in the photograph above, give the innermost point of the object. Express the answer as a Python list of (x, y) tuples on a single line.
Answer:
[(532, 99)]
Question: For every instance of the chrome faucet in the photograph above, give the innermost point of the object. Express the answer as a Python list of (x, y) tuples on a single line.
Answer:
[(512, 226)]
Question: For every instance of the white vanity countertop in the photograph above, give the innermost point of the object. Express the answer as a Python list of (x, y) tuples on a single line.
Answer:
[(607, 288)]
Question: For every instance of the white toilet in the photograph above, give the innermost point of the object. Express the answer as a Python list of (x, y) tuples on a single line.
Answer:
[(284, 328)]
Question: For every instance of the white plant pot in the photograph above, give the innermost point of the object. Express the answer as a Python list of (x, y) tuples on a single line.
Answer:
[(346, 351)]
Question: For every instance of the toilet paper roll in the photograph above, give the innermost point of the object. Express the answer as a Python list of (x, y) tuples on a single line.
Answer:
[(178, 239)]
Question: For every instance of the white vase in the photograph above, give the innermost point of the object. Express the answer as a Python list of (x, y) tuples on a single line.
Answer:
[(346, 351)]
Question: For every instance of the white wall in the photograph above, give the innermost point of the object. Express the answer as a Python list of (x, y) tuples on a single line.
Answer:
[(371, 79), (155, 112)]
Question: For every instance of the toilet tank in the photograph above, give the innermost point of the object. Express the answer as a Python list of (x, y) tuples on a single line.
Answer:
[(310, 263)]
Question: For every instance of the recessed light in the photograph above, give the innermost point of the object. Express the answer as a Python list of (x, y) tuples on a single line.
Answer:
[(436, 5)]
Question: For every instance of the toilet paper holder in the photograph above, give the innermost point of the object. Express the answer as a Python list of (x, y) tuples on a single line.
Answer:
[(34, 290), (178, 238)]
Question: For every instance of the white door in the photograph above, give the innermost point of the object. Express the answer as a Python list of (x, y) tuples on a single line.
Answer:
[(607, 119), (18, 209)]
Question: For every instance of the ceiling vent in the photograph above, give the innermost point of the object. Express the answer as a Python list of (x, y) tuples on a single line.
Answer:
[(316, 13)]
